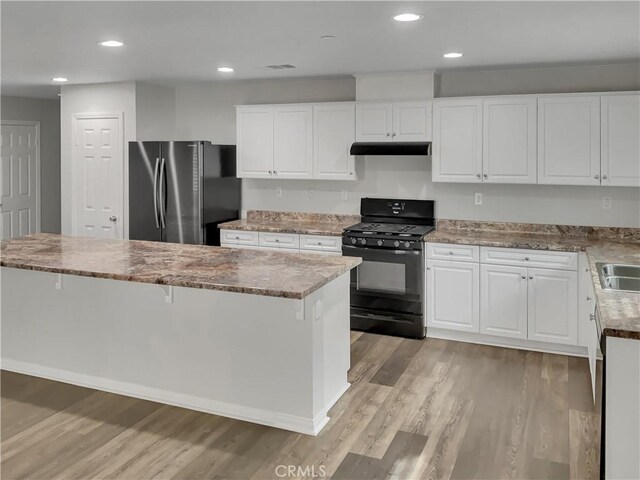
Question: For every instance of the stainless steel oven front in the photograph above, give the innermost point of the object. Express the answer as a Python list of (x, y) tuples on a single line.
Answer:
[(387, 291)]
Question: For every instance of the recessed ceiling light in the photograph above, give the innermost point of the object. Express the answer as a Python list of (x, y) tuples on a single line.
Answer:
[(452, 55), (225, 69), (111, 43), (59, 79), (407, 17), (327, 37)]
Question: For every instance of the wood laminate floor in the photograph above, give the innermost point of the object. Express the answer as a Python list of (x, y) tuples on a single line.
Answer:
[(430, 409)]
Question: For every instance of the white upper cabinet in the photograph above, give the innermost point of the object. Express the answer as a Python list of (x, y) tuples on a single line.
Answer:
[(620, 125), (374, 122), (569, 140), (293, 141), (553, 310), (333, 135), (457, 140), (408, 121), (509, 140), (412, 121), (254, 127)]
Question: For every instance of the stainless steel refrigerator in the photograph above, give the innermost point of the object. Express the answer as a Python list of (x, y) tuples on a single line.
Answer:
[(180, 191)]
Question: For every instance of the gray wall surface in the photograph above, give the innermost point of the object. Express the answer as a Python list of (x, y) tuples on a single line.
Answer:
[(47, 112)]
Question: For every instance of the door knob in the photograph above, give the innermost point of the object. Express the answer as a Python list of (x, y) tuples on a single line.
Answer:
[(113, 218)]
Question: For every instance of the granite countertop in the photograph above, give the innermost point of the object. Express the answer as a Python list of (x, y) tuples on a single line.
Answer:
[(619, 311), (293, 222), (275, 274)]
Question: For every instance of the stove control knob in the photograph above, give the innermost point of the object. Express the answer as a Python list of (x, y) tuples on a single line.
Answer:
[(363, 241), (396, 243), (407, 244), (354, 241), (380, 243)]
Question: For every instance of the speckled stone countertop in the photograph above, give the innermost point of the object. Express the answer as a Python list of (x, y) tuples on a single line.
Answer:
[(293, 222), (619, 311), (275, 274)]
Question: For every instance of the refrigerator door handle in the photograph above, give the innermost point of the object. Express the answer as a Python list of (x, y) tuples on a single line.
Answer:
[(155, 193), (163, 194)]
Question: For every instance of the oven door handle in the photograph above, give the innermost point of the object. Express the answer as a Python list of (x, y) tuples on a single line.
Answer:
[(395, 252)]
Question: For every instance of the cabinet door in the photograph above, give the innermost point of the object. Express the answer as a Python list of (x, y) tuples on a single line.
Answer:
[(334, 133), (503, 300), (553, 315), (254, 131), (457, 141), (293, 141), (412, 121), (569, 140), (373, 122), (453, 295), (621, 140), (509, 140)]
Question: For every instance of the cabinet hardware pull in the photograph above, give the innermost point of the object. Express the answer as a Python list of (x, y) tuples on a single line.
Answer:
[(604, 177), (530, 277), (277, 240), (478, 175), (588, 299), (388, 134), (428, 268), (592, 317), (394, 134), (269, 172), (486, 176), (275, 172), (113, 218), (524, 277), (350, 173), (526, 259), (237, 237), (597, 177), (450, 253)]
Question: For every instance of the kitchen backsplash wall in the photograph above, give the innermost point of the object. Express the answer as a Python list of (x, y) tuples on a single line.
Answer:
[(206, 110)]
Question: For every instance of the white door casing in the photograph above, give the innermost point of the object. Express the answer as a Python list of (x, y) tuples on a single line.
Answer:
[(20, 178), (98, 175)]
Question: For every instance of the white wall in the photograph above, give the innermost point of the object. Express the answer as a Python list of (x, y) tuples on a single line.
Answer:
[(155, 112), (96, 98), (47, 112)]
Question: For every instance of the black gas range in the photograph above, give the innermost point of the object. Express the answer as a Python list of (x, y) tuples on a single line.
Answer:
[(387, 289)]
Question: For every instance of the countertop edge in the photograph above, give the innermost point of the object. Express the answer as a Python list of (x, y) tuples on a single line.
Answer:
[(302, 230)]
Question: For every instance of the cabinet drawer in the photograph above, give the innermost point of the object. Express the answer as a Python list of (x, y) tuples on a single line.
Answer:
[(320, 243), (280, 240), (238, 237), (529, 258), (460, 253)]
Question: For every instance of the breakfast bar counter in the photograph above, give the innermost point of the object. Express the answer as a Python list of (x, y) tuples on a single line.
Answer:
[(258, 336)]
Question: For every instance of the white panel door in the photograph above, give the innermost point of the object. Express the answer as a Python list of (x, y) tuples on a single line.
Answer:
[(98, 177), (254, 136), (374, 122), (457, 141), (553, 306), (293, 141), (509, 140), (503, 300), (19, 179), (453, 295), (334, 128), (569, 140), (621, 140), (412, 121)]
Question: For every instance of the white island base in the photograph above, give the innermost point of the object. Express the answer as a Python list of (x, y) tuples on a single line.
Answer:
[(269, 360)]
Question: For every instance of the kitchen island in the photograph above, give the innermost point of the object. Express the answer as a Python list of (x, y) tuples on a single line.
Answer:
[(257, 336)]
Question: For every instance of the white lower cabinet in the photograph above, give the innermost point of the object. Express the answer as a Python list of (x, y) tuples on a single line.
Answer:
[(503, 300), (553, 306), (517, 299), (281, 242), (453, 295)]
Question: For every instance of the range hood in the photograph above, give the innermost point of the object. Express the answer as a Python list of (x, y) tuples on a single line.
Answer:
[(391, 148)]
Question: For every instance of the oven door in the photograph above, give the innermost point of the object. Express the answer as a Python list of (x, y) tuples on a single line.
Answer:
[(387, 291)]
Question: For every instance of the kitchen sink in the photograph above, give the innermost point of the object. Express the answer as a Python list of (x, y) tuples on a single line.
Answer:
[(623, 278)]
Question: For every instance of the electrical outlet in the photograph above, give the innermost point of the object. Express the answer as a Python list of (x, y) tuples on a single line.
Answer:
[(606, 203), (344, 195), (477, 198), (312, 193), (278, 192)]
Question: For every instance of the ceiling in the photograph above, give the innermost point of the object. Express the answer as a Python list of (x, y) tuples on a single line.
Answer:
[(169, 42)]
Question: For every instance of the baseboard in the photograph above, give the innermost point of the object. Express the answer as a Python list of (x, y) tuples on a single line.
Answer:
[(284, 421), (518, 344)]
